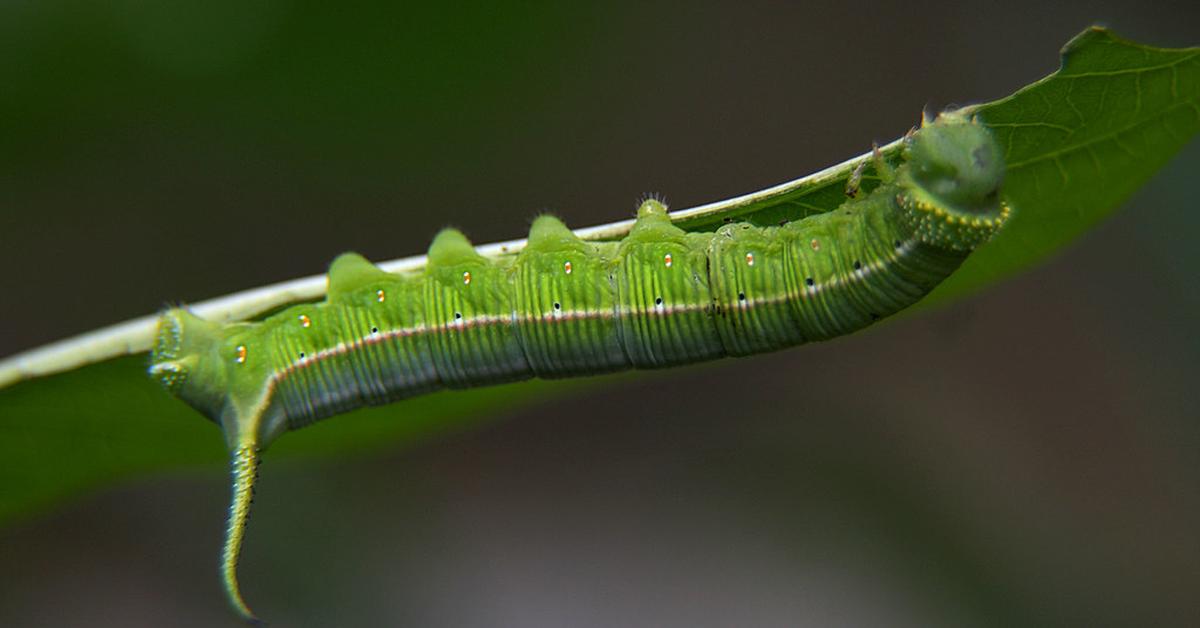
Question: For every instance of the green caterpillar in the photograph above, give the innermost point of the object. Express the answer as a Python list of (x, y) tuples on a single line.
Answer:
[(565, 307)]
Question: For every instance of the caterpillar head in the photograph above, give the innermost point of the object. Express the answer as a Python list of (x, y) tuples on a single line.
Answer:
[(951, 183)]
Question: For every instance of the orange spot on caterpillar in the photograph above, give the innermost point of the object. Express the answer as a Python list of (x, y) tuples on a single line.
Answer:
[(305, 321), (240, 354)]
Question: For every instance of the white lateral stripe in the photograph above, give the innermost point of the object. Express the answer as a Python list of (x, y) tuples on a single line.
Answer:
[(563, 316)]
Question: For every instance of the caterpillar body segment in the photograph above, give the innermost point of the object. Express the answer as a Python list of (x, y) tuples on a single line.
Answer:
[(566, 307)]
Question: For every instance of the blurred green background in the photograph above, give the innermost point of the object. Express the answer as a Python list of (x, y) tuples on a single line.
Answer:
[(1029, 456)]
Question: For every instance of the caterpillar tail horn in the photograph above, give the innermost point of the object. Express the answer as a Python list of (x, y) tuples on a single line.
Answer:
[(244, 468)]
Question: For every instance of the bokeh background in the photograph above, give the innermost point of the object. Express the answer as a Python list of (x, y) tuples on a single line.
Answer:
[(1028, 456)]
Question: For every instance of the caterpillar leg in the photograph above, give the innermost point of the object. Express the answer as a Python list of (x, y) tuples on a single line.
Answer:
[(244, 468), (855, 181), (883, 170)]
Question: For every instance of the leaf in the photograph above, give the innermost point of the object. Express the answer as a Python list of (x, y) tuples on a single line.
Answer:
[(107, 421), (1077, 143)]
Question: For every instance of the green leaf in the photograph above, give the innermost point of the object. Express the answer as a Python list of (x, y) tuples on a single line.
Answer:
[(107, 421), (1077, 143)]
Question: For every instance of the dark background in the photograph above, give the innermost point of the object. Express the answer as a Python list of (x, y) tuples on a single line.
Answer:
[(1028, 456)]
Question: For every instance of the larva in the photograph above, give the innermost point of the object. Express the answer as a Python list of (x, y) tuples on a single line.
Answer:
[(566, 307)]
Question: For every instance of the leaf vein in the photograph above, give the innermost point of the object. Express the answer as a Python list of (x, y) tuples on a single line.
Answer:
[(1140, 70), (1113, 136)]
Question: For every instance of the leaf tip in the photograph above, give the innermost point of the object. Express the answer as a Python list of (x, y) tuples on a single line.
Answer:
[(1092, 33)]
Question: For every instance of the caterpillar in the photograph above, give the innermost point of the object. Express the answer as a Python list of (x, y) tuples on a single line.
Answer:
[(565, 307)]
